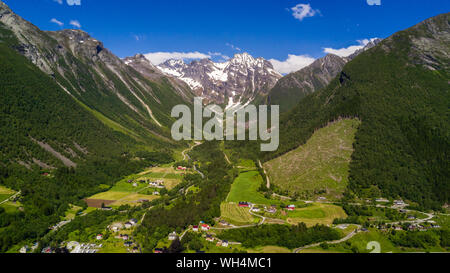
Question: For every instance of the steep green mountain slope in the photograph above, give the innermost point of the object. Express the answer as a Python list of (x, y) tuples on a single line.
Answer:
[(320, 167), (400, 92), (44, 127), (74, 119), (100, 81)]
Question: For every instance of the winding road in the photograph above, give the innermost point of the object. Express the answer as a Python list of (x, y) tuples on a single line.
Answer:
[(187, 157)]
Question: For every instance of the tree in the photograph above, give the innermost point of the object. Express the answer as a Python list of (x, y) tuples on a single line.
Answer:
[(175, 246)]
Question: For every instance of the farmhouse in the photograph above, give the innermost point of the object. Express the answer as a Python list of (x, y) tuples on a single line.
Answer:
[(291, 207), (195, 228), (272, 210), (399, 203), (116, 227), (157, 184), (24, 249), (173, 236), (209, 238), (124, 237), (205, 227), (244, 204), (224, 223), (133, 221), (99, 237), (225, 243), (128, 225)]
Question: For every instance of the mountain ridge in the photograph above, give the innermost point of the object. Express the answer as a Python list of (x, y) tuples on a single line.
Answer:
[(240, 79)]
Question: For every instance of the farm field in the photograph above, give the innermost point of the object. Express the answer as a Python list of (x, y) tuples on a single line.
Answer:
[(5, 193), (236, 215), (318, 213), (270, 249), (320, 165), (245, 189), (359, 242), (11, 207), (124, 192)]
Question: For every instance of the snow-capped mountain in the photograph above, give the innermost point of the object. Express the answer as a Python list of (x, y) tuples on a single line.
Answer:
[(240, 79)]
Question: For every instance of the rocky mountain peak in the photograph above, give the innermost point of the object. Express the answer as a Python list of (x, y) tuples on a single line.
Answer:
[(240, 79)]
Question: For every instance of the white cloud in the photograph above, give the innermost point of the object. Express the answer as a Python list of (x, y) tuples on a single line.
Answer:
[(157, 58), (301, 11), (75, 23), (292, 63), (59, 1), (374, 2), (347, 51), (218, 54), (59, 23), (233, 47), (73, 2)]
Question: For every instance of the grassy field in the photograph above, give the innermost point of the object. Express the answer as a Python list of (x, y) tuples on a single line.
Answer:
[(270, 249), (126, 193), (236, 215), (322, 164), (247, 163), (245, 188), (5, 193), (360, 242), (318, 213), (11, 207)]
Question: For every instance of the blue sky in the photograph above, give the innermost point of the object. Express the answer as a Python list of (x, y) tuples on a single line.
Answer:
[(273, 29)]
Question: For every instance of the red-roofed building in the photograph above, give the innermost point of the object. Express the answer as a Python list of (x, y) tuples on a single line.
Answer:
[(205, 227)]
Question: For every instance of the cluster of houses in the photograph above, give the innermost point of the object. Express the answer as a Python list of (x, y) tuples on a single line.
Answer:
[(408, 226), (116, 227), (202, 227), (159, 184), (211, 239), (272, 209), (398, 203)]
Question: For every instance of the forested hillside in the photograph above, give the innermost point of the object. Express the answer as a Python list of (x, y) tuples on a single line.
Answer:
[(400, 92)]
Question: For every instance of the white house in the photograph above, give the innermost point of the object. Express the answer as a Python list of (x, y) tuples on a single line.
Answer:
[(173, 236)]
